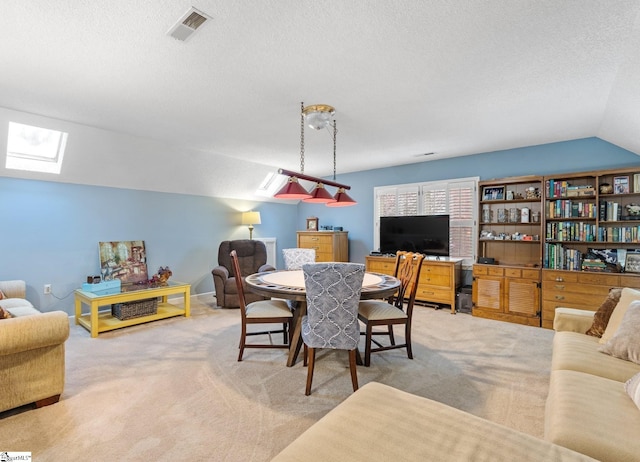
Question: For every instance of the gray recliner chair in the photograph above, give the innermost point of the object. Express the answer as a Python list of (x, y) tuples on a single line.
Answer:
[(252, 257)]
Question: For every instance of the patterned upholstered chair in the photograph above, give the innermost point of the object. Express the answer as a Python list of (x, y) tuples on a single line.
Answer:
[(262, 312), (252, 258), (391, 312), (294, 258), (333, 293)]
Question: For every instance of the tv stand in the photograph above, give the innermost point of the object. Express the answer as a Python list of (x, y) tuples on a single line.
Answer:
[(439, 277)]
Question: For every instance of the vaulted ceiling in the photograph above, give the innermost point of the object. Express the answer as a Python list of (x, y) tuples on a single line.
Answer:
[(407, 77)]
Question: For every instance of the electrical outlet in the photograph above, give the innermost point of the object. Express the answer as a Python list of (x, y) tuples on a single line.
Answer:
[(47, 289)]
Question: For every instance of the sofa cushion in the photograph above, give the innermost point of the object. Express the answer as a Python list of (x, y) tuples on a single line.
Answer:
[(627, 296), (625, 343), (602, 314), (579, 352), (592, 415), (18, 307), (632, 387)]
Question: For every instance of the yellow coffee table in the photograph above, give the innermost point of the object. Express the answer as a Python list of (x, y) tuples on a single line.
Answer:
[(95, 321)]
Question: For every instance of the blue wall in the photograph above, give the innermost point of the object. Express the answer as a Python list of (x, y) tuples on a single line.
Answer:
[(50, 231)]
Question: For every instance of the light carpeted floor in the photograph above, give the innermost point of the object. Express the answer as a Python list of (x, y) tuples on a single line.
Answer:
[(173, 390)]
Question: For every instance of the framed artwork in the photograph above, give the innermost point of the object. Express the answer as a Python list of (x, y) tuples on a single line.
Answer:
[(312, 224), (124, 260), (493, 193), (632, 263), (621, 185)]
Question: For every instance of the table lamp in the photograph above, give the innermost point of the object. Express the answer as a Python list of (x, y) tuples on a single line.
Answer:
[(251, 218)]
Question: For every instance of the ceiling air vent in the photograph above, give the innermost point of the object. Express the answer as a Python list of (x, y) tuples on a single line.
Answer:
[(191, 21)]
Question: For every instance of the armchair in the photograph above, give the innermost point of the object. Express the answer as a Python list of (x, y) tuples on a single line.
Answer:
[(252, 258)]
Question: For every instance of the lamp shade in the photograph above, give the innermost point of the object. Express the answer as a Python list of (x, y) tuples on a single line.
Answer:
[(320, 195), (292, 190), (250, 218), (342, 199)]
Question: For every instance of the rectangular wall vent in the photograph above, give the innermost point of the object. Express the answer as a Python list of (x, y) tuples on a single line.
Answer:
[(186, 26)]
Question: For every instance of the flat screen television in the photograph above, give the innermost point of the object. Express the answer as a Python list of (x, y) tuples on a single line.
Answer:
[(427, 234)]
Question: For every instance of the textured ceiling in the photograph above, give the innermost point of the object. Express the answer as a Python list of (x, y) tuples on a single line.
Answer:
[(406, 77)]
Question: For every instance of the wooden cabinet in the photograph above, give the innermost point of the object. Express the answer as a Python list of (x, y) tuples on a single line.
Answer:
[(578, 289), (439, 279), (587, 241), (507, 293), (510, 230), (591, 229), (329, 245)]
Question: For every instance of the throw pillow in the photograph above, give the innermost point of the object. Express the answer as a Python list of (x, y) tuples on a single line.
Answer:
[(628, 295), (602, 315), (632, 387), (2, 295), (625, 344), (4, 314)]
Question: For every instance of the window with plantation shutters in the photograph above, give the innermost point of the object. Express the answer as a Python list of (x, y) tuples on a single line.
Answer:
[(456, 198)]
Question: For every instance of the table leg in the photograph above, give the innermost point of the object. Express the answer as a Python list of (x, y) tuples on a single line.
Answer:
[(187, 303), (296, 339), (78, 310), (93, 317)]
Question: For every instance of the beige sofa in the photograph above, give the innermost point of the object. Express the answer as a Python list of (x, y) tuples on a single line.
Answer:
[(588, 409), (32, 354)]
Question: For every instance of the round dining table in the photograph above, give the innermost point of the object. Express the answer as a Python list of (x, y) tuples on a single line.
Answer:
[(289, 285)]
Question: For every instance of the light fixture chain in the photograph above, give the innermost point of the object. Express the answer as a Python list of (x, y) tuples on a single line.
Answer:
[(302, 137), (335, 131)]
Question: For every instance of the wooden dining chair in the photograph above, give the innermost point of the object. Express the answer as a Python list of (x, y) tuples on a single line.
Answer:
[(262, 312), (388, 313), (333, 293)]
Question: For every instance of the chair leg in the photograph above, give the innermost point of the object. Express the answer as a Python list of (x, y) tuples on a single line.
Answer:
[(243, 338), (285, 334), (367, 347), (352, 368), (391, 337), (312, 360), (305, 355), (407, 339)]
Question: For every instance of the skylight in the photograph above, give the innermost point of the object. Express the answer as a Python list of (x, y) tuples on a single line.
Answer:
[(35, 149), (272, 183)]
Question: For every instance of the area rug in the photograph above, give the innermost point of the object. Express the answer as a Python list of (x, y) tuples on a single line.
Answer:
[(172, 390)]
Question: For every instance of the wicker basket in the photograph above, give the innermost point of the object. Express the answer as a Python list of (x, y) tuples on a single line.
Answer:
[(135, 309)]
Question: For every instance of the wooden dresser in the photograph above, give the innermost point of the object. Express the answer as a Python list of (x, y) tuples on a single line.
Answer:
[(578, 289), (439, 279), (329, 245)]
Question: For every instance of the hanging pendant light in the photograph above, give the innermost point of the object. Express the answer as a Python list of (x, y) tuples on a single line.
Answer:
[(341, 199), (319, 195), (292, 190), (318, 116)]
